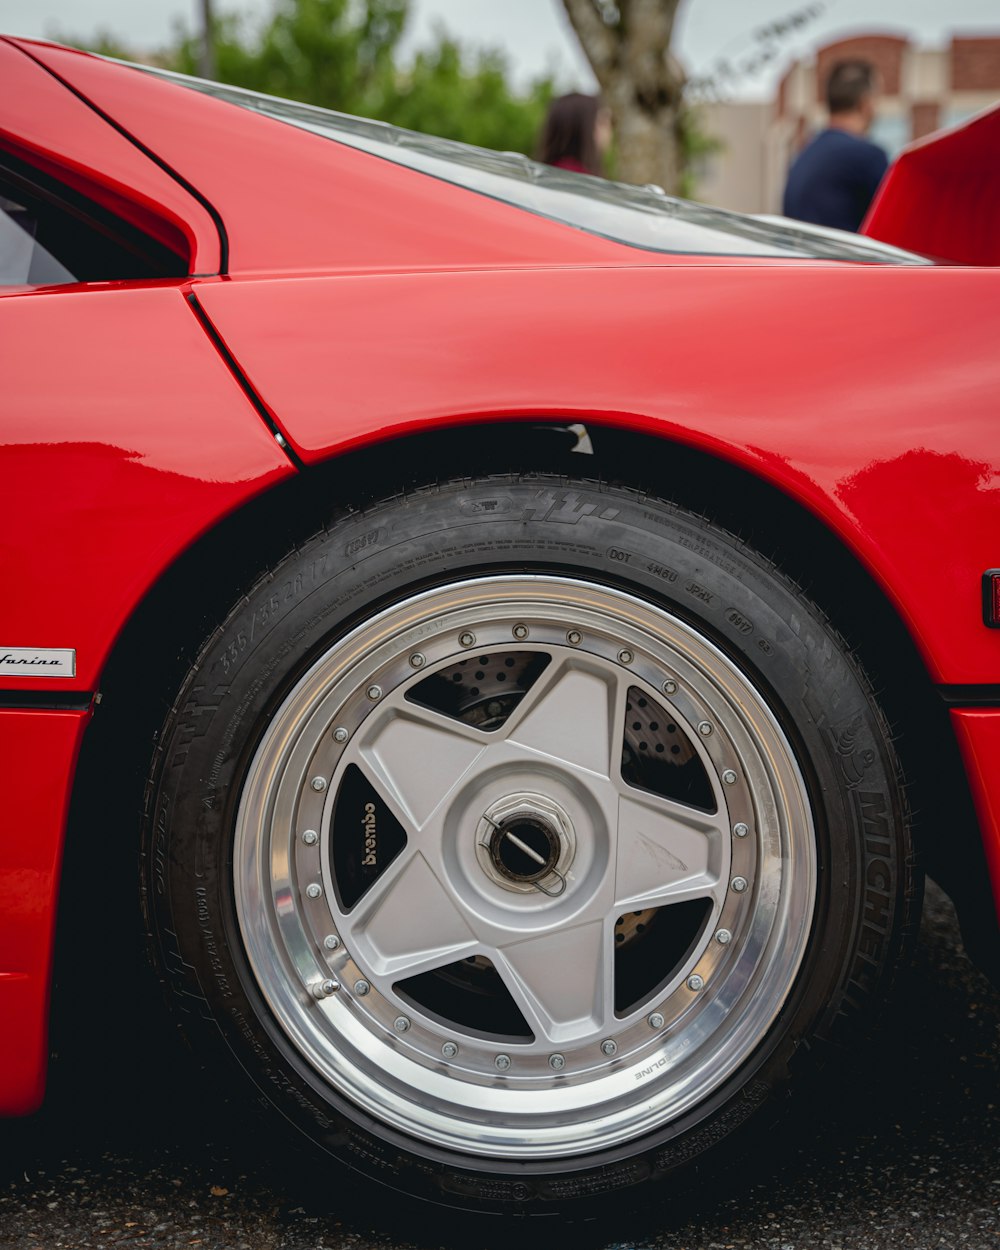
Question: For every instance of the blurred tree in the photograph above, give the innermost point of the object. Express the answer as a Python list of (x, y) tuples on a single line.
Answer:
[(335, 53), (207, 65), (627, 43)]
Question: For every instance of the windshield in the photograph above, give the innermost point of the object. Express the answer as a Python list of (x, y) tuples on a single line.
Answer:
[(643, 217)]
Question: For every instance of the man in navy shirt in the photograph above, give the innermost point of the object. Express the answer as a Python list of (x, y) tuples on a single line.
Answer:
[(834, 177)]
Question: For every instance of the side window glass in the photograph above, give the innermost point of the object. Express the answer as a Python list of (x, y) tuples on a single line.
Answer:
[(22, 258), (50, 235)]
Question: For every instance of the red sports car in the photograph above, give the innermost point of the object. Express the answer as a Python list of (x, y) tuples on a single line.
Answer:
[(533, 633)]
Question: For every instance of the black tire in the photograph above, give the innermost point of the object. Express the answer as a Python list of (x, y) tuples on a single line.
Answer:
[(704, 584)]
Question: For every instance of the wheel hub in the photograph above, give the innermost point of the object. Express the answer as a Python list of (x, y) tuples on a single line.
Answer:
[(525, 842)]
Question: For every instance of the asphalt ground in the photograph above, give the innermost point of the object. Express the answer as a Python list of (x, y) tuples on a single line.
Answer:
[(903, 1153)]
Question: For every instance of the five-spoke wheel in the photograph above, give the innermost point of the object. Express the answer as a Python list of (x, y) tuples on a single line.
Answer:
[(549, 843)]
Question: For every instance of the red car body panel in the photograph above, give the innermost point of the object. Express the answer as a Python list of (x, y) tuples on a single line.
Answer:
[(62, 135), (114, 461), (370, 300), (941, 194)]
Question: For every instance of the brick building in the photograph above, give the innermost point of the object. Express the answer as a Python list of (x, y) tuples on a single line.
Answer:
[(923, 89)]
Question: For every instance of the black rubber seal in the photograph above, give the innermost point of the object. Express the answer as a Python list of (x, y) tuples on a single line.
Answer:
[(970, 696)]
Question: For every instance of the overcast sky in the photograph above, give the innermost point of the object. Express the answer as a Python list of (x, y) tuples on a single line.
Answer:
[(535, 35)]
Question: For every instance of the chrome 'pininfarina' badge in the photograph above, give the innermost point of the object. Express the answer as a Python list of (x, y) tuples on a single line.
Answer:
[(37, 662)]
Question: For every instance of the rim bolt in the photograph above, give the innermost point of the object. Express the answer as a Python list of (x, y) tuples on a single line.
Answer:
[(310, 837), (401, 1024), (314, 890), (696, 982), (467, 639), (361, 988), (331, 941), (739, 884), (374, 693), (574, 637), (340, 734), (729, 777), (318, 784), (502, 1063), (704, 728), (558, 1062), (723, 937), (625, 657), (417, 660), (669, 687), (741, 830), (655, 1021), (449, 1050), (323, 989), (520, 632), (609, 1047)]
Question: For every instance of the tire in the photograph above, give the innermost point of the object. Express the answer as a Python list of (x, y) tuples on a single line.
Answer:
[(515, 835)]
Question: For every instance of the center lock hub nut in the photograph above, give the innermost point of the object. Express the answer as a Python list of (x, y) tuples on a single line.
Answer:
[(526, 842), (524, 848)]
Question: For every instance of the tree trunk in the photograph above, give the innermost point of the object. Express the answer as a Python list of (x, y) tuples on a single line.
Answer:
[(628, 46), (206, 59)]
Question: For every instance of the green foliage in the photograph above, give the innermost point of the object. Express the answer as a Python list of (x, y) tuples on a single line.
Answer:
[(333, 53), (445, 93)]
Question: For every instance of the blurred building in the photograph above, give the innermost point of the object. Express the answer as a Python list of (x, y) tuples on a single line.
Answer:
[(923, 89)]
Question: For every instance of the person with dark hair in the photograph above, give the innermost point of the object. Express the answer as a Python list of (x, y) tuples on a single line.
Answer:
[(575, 134), (833, 179)]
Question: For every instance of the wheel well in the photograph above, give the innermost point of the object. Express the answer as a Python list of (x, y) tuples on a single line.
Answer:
[(164, 635)]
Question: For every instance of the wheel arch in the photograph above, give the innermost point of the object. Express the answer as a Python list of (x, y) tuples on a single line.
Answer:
[(198, 589)]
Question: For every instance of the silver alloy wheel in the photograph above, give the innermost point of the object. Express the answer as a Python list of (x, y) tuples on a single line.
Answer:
[(588, 1074)]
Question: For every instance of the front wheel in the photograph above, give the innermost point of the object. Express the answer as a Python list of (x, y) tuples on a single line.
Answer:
[(515, 835)]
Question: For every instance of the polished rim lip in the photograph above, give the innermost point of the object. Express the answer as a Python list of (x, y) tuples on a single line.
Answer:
[(544, 1119)]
